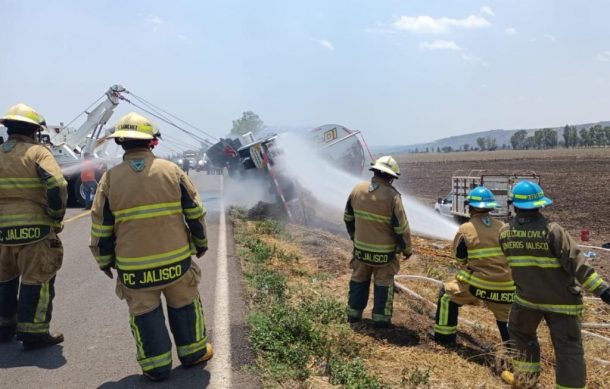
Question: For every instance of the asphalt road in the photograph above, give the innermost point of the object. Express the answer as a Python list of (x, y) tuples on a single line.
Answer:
[(99, 350)]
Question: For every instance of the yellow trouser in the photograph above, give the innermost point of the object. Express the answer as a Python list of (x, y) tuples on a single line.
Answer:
[(28, 271), (185, 314)]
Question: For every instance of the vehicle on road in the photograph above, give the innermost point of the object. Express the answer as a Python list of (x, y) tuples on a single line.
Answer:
[(454, 204)]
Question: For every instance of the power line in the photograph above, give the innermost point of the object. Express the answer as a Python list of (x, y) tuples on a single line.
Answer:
[(160, 117), (173, 116), (84, 111), (178, 143)]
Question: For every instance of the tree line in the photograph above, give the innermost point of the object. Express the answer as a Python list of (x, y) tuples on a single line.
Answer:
[(547, 138)]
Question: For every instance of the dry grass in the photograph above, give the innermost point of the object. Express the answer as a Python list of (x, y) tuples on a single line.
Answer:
[(403, 354)]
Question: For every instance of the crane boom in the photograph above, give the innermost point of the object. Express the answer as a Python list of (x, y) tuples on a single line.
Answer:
[(90, 130)]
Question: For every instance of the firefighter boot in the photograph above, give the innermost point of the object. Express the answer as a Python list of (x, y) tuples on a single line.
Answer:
[(188, 326), (154, 348), (34, 314), (34, 342), (445, 327), (209, 353), (503, 328), (8, 309), (357, 299), (383, 306)]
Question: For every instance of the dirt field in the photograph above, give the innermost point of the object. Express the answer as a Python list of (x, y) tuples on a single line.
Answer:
[(578, 181)]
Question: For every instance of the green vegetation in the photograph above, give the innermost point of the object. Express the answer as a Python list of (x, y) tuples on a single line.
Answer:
[(415, 378), (269, 227), (352, 374), (248, 122), (294, 338), (544, 138), (487, 143), (547, 138)]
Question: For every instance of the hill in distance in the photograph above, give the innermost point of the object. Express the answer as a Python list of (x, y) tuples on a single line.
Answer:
[(457, 141)]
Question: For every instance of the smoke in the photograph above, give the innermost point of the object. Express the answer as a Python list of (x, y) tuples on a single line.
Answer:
[(247, 191), (332, 186)]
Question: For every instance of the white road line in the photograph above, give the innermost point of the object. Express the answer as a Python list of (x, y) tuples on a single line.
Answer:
[(220, 365)]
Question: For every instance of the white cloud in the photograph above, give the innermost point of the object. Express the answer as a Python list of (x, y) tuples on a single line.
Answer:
[(485, 10), (510, 31), (326, 44), (452, 46), (550, 37), (440, 45), (604, 56), (473, 59), (430, 25), (154, 19)]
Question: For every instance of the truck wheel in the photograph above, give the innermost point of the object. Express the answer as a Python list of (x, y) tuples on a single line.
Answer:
[(77, 192)]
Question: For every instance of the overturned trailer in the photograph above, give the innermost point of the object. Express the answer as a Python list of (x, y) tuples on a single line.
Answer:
[(341, 147)]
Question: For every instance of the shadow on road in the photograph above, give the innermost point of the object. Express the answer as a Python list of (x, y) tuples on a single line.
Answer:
[(195, 377), (12, 355)]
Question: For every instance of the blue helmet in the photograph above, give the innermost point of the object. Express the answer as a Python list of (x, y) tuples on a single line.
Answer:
[(481, 197), (528, 195)]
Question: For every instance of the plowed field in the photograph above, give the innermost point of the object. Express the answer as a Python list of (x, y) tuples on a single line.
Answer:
[(578, 181)]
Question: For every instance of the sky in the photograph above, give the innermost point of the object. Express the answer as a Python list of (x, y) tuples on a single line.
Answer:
[(401, 71)]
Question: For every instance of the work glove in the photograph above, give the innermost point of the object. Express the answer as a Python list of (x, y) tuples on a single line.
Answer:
[(407, 255), (201, 251), (606, 296)]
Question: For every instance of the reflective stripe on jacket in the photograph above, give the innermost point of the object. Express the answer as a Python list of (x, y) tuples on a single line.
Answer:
[(476, 246), (147, 220), (376, 222), (33, 191), (548, 266)]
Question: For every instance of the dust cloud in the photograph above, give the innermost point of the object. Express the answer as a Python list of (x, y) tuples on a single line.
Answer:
[(332, 186)]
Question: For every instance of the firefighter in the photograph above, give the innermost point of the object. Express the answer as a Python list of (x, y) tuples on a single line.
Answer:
[(377, 224), (33, 195), (485, 275), (550, 273), (88, 172), (147, 220)]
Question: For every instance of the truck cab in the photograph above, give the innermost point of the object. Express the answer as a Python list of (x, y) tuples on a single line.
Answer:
[(444, 204)]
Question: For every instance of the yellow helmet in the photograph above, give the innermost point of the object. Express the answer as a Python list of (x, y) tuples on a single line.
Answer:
[(387, 165), (23, 113), (134, 126)]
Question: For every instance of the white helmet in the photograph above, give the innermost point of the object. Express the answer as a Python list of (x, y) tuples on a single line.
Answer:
[(134, 126), (387, 165), (23, 113)]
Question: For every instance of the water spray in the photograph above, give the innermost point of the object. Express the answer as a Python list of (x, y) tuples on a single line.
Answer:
[(332, 186)]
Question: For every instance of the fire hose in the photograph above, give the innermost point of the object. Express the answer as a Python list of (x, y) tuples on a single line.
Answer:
[(594, 247), (416, 295)]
